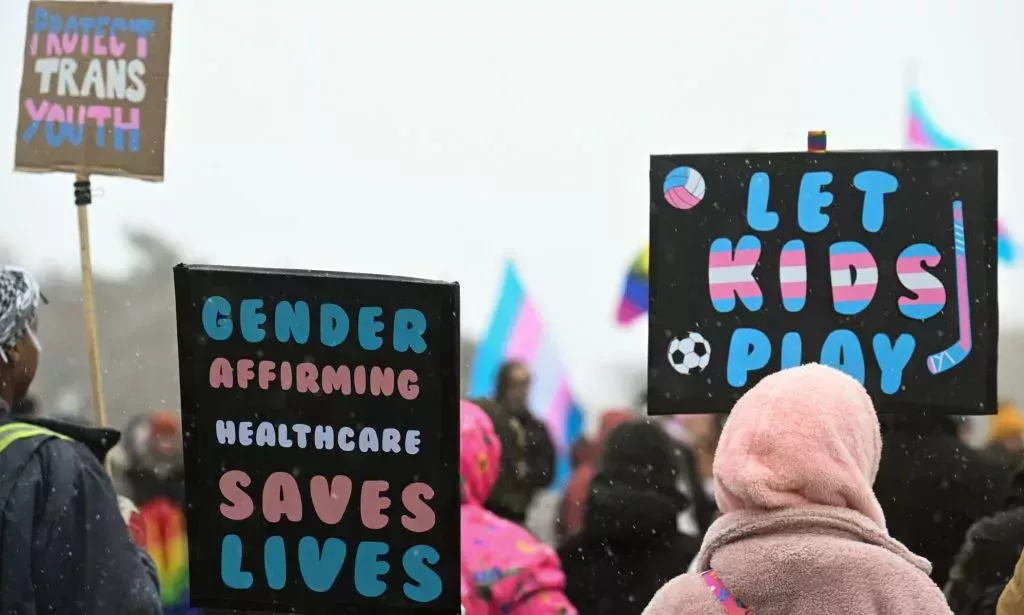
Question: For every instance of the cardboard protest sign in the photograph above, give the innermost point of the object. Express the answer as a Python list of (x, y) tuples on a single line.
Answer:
[(94, 88), (321, 419), (881, 264)]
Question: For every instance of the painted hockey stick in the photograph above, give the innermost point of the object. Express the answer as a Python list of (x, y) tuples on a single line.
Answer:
[(955, 354)]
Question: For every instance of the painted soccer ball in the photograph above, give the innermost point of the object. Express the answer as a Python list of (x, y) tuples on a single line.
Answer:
[(690, 354)]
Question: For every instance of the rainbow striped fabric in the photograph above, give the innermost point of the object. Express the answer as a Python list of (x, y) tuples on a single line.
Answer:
[(923, 133), (167, 544), (517, 333), (636, 290)]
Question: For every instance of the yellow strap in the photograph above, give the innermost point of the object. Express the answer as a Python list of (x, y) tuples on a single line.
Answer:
[(17, 431)]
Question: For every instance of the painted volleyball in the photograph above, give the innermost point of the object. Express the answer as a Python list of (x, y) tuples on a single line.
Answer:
[(684, 188)]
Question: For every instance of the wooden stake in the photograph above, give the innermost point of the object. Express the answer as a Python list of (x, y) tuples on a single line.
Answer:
[(89, 308)]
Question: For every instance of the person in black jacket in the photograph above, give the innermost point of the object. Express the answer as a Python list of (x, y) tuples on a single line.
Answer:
[(933, 487), (986, 561), (64, 544), (528, 456), (630, 544)]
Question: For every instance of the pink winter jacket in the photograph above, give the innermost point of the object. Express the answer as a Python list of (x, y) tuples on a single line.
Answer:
[(802, 532), (505, 569)]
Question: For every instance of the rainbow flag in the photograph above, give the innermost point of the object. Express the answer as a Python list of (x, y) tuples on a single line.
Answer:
[(167, 544), (517, 333), (636, 290), (923, 133)]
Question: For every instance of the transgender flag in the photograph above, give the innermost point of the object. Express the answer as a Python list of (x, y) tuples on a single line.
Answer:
[(517, 333), (923, 133)]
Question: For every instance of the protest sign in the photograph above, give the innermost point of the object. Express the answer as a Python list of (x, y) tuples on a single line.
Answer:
[(94, 89), (321, 420), (882, 264)]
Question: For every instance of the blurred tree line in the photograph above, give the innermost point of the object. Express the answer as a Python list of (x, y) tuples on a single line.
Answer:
[(138, 343)]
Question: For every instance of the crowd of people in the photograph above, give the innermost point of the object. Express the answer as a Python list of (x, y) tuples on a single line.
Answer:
[(802, 500)]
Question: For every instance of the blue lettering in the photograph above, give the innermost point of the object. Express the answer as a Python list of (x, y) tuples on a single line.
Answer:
[(370, 568), (40, 20), (252, 320), (30, 131), (274, 562), (842, 351), (410, 324), (370, 328), (231, 572), (320, 570), (428, 585), (333, 325), (133, 139), (143, 27), (56, 23), (792, 350), (875, 185), (87, 24), (892, 359), (812, 199), (59, 132), (102, 23), (71, 25), (292, 321), (758, 216), (749, 350), (118, 24), (217, 318)]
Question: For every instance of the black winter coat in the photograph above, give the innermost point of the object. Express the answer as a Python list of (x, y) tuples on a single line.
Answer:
[(527, 460), (64, 546), (986, 561), (932, 488), (628, 548)]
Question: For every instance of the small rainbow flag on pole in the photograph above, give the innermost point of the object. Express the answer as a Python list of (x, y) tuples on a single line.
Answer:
[(923, 133), (636, 290), (516, 333)]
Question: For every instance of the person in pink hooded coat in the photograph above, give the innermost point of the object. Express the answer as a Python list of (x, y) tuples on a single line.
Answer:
[(802, 532), (505, 569)]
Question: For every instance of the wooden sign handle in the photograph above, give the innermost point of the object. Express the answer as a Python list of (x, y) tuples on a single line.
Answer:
[(83, 198)]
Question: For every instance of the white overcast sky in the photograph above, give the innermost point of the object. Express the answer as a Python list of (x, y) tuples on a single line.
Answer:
[(436, 138)]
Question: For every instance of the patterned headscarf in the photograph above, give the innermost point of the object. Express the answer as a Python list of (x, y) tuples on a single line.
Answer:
[(19, 306)]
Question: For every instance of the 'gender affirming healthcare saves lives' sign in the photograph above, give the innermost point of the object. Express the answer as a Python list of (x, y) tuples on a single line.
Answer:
[(321, 416), (881, 264)]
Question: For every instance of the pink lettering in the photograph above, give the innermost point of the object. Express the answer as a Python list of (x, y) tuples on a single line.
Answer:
[(69, 40), (372, 504), (116, 47), (98, 47), (33, 44), (306, 379), (133, 122), (407, 386), (330, 502), (421, 516), (221, 374), (143, 48), (245, 373), (266, 374), (239, 505), (53, 47), (100, 114), (281, 497), (36, 114)]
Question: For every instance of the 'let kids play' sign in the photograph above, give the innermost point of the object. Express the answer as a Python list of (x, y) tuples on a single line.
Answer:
[(94, 88), (321, 440), (880, 264)]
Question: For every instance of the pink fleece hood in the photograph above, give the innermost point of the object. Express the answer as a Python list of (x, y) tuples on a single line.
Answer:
[(801, 437), (479, 453)]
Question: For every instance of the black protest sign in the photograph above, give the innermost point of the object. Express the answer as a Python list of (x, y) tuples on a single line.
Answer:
[(321, 419), (882, 264)]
